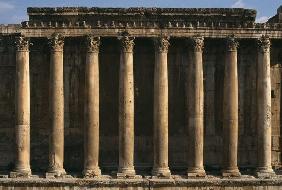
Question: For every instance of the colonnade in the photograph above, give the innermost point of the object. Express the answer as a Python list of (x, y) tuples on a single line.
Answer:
[(194, 99)]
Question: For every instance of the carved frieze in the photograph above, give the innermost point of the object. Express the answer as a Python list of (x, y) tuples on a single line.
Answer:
[(149, 24), (162, 44), (56, 42), (264, 44), (231, 43), (92, 43), (127, 43), (22, 43)]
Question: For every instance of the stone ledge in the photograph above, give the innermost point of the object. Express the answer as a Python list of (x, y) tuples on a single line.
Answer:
[(176, 182)]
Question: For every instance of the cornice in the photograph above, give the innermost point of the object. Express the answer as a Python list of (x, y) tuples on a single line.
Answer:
[(148, 24)]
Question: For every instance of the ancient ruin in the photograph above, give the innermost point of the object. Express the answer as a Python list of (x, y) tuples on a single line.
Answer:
[(141, 98)]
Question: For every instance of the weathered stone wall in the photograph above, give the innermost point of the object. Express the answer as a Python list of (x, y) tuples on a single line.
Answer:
[(141, 184), (74, 61)]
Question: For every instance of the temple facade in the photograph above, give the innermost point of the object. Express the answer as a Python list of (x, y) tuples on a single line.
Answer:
[(134, 92)]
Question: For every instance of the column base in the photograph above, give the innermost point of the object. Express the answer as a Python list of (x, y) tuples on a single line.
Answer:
[(126, 173), (20, 174), (196, 172), (161, 173), (264, 172), (91, 173), (57, 173), (231, 172)]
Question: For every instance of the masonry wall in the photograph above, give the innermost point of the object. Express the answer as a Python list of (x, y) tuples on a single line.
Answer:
[(74, 61)]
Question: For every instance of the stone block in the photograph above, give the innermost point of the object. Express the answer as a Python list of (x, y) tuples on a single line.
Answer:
[(275, 143), (15, 174)]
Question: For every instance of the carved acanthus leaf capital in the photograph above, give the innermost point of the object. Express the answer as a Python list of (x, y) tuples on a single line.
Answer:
[(22, 43), (162, 44), (197, 43), (92, 43), (127, 43), (231, 43), (56, 42), (264, 44)]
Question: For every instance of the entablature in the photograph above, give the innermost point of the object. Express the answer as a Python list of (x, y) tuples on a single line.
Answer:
[(181, 32), (145, 22)]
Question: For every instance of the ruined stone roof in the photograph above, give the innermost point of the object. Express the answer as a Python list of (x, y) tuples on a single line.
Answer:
[(66, 14), (278, 17), (140, 21)]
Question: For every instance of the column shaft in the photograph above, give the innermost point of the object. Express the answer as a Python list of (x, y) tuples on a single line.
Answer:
[(160, 167), (230, 111), (195, 105), (126, 109), (22, 129), (56, 145), (264, 108), (91, 132)]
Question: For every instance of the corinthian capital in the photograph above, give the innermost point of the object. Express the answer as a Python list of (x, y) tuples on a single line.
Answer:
[(197, 43), (92, 43), (264, 44), (56, 42), (127, 43), (162, 44), (22, 43), (231, 43)]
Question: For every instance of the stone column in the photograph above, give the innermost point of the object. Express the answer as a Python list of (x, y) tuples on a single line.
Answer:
[(91, 106), (22, 128), (195, 105), (230, 110), (264, 109), (160, 167), (56, 135), (126, 109)]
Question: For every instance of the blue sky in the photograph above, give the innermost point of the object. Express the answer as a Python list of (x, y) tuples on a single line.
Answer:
[(14, 11)]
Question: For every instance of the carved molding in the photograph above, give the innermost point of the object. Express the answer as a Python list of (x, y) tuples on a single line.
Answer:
[(22, 43), (197, 43), (264, 44), (92, 43), (56, 42), (162, 44), (127, 43), (231, 43)]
